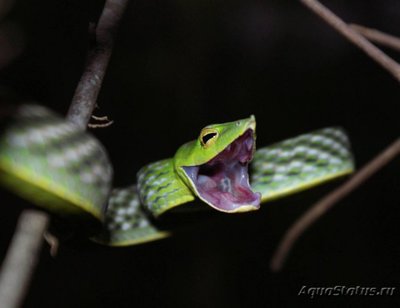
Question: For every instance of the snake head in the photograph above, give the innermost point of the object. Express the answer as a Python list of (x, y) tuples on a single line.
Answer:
[(215, 166)]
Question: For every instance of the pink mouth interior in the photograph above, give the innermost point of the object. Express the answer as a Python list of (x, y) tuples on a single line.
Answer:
[(224, 180)]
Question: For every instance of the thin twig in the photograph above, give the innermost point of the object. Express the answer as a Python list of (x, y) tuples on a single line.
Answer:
[(99, 55), (53, 242), (22, 257), (377, 36), (353, 36), (318, 209), (106, 122), (100, 125), (322, 206), (24, 248), (103, 119)]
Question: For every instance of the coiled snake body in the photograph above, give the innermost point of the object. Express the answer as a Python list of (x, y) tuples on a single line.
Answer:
[(49, 161)]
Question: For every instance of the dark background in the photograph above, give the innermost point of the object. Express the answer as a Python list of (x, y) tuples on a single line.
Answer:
[(178, 66)]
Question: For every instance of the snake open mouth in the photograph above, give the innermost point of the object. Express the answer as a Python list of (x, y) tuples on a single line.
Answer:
[(223, 182)]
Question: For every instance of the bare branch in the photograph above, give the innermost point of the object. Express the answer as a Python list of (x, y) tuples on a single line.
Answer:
[(88, 88), (22, 257), (24, 249), (353, 36), (322, 206), (377, 36), (318, 209)]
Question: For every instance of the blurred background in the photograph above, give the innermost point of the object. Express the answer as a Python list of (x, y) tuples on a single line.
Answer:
[(178, 66)]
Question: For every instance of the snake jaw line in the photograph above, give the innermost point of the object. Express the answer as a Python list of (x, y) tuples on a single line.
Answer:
[(223, 181)]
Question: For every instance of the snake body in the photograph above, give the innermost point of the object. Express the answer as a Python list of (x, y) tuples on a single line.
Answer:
[(67, 171), (52, 163)]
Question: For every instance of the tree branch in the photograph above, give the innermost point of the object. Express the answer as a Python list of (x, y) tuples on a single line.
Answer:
[(353, 36), (22, 257), (25, 246), (377, 36), (88, 88), (322, 206)]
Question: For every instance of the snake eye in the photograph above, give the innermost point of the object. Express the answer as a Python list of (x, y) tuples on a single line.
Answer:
[(208, 137)]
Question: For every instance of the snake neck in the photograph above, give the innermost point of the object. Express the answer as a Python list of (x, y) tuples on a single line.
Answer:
[(160, 187)]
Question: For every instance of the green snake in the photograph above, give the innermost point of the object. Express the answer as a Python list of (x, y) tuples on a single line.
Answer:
[(66, 171)]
